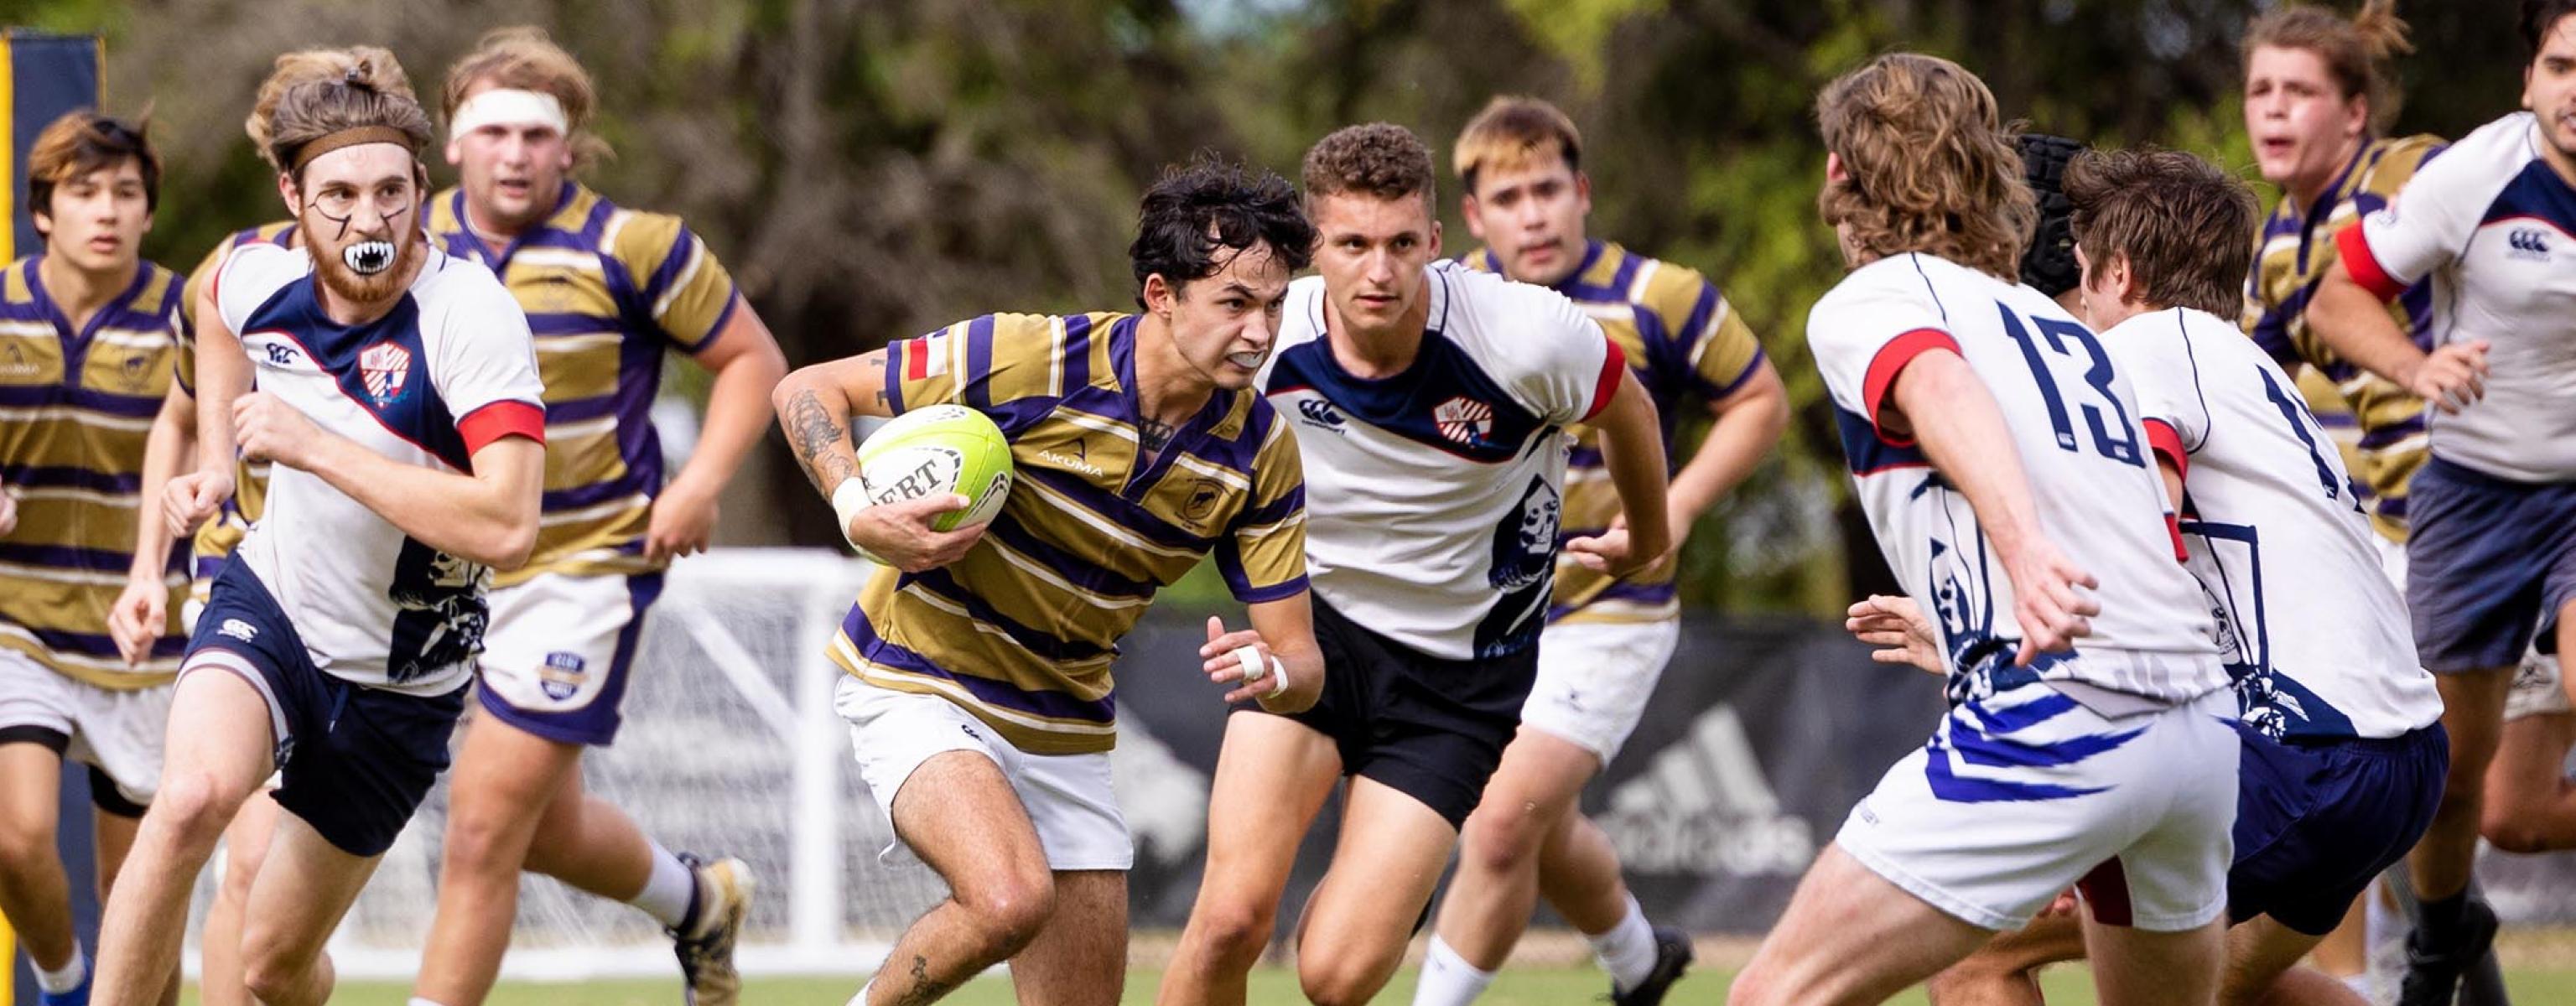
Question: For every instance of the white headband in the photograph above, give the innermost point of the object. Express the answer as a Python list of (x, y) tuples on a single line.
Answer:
[(503, 106)]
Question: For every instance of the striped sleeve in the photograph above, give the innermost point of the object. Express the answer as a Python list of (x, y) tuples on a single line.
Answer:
[(678, 282), (183, 364), (1718, 345), (1263, 554), (1008, 366)]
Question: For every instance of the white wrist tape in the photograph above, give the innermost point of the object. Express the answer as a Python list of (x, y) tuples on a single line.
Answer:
[(848, 498), (1254, 670), (505, 106)]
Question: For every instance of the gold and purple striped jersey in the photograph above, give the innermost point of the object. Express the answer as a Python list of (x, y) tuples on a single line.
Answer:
[(1022, 630), (2291, 256), (1685, 343), (215, 541), (76, 405), (607, 291)]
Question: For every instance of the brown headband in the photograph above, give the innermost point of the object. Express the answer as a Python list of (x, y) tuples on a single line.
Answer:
[(352, 137)]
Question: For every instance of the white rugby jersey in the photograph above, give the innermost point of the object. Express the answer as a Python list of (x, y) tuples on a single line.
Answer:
[(2075, 422), (450, 369), (1432, 495), (2315, 637), (2495, 227)]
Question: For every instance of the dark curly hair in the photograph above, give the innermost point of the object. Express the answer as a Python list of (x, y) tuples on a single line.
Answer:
[(1210, 204), (1379, 159), (2048, 261)]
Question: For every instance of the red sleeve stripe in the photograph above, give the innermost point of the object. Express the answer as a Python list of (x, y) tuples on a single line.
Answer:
[(2353, 247), (504, 418), (1890, 361), (2166, 441), (1613, 366)]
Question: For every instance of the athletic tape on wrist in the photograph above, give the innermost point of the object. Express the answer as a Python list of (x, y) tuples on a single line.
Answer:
[(848, 498)]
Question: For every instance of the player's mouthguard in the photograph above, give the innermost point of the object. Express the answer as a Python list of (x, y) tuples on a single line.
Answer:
[(1247, 361), (367, 258)]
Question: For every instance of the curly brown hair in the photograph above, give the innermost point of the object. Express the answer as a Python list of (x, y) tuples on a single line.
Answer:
[(1927, 165), (2353, 49), (358, 98), (524, 58), (1378, 159), (2179, 221), (307, 65)]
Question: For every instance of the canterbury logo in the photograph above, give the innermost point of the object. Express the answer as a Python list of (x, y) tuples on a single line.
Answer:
[(2528, 242), (1319, 412)]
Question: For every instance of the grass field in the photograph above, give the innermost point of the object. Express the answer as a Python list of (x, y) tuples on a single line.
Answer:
[(1270, 987)]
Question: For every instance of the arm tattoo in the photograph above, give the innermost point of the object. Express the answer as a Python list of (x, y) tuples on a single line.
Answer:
[(821, 443)]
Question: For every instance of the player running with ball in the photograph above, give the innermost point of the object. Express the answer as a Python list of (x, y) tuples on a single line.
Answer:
[(978, 693)]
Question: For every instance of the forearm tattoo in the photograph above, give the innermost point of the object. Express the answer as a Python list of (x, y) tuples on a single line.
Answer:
[(821, 443)]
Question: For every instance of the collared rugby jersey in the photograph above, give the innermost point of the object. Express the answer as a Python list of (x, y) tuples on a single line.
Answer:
[(2291, 256), (2315, 636), (448, 370), (2076, 423), (2494, 227), (75, 408), (607, 291), (1685, 343), (1022, 630), (1435, 494)]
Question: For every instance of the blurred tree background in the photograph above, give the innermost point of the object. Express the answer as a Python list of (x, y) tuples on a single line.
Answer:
[(871, 169)]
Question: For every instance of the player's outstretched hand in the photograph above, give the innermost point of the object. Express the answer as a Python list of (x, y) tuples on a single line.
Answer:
[(899, 533), (136, 620), (187, 500), (2049, 599), (268, 429), (1260, 676), (1610, 552), (2452, 376), (1896, 625), (684, 518)]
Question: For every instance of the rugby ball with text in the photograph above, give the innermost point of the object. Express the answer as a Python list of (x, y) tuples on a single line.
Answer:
[(939, 449)]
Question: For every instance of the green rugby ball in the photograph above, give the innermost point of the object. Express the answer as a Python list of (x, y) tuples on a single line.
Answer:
[(939, 449)]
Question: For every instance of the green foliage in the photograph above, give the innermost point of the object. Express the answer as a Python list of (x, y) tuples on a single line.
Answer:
[(874, 168)]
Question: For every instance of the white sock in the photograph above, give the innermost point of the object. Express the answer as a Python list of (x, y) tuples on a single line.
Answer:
[(861, 999), (418, 1001), (65, 978), (1447, 979), (670, 891), (1627, 951)]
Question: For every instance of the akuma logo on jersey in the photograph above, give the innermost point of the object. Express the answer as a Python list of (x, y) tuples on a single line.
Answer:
[(1076, 457), (1464, 420), (386, 369)]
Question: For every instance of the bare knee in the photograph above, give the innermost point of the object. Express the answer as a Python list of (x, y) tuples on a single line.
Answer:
[(2513, 832), (271, 974), (478, 841), (1504, 840), (194, 806), (1008, 911), (1234, 934), (26, 845), (1340, 980)]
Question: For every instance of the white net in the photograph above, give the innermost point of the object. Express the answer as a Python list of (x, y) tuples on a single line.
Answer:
[(730, 747)]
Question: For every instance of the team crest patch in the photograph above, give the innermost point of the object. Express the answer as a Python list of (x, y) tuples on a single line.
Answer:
[(562, 675), (1464, 420), (386, 369), (238, 629), (1202, 501)]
